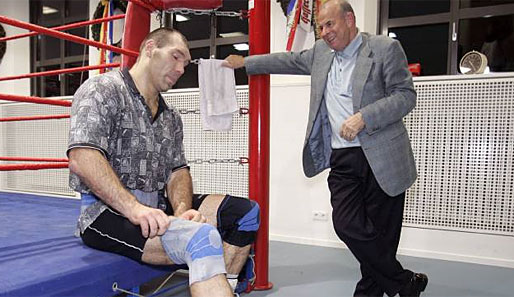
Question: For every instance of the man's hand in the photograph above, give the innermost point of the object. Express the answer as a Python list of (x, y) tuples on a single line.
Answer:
[(152, 221), (190, 214), (193, 215), (352, 126), (234, 62)]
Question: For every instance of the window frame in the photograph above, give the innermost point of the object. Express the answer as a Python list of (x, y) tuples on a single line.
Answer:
[(38, 84), (452, 17), (213, 41)]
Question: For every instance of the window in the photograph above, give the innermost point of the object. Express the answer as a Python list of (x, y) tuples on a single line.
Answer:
[(49, 53), (213, 36), (437, 33)]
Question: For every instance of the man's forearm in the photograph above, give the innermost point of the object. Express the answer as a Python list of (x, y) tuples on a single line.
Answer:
[(94, 170), (180, 190)]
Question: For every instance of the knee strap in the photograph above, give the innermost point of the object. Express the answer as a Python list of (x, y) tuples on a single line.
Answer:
[(238, 220), (197, 245), (250, 221)]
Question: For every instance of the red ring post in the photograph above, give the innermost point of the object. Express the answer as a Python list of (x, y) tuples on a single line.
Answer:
[(259, 39)]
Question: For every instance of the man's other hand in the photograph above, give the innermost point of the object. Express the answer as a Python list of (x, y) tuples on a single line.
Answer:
[(193, 215), (152, 221), (234, 62), (352, 126)]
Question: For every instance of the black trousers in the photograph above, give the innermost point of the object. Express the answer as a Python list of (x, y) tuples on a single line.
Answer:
[(368, 221)]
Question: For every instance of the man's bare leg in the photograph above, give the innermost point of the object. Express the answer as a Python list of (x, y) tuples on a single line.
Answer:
[(235, 257), (216, 286)]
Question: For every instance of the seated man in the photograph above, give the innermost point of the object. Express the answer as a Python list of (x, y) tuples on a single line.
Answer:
[(125, 150)]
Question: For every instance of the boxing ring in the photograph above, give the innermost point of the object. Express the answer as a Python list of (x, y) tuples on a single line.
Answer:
[(41, 256), (38, 251)]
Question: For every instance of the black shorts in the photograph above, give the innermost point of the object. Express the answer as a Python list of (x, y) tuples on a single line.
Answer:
[(112, 232)]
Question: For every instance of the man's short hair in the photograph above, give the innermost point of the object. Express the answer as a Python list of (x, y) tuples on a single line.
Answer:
[(161, 36), (344, 6)]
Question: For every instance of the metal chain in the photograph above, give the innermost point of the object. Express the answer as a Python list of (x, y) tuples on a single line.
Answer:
[(242, 111), (187, 111), (240, 14), (240, 161)]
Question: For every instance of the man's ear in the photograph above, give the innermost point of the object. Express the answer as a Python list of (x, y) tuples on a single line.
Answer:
[(149, 47), (350, 19)]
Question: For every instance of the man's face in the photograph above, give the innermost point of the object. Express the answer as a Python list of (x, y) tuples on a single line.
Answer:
[(335, 26), (168, 62)]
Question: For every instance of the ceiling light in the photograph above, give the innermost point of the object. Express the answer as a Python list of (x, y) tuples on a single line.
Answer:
[(241, 46), (181, 18), (392, 35), (49, 10)]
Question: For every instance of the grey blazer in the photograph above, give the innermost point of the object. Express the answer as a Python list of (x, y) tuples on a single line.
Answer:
[(382, 91)]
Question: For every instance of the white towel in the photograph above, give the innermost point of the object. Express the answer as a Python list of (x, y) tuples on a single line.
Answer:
[(217, 95)]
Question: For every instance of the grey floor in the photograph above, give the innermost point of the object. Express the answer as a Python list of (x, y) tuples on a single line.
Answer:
[(302, 270)]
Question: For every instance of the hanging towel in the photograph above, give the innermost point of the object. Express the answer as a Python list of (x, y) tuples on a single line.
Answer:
[(217, 95)]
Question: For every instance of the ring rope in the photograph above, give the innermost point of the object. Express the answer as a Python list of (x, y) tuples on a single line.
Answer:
[(60, 71), (34, 118), (66, 36), (33, 99), (31, 159), (37, 166), (66, 27)]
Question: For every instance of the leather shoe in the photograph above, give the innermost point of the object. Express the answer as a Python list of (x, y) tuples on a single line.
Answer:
[(417, 284)]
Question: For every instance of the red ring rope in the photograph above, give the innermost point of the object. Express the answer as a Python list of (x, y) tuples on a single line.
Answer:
[(36, 166), (31, 159), (32, 99), (66, 36), (66, 27), (60, 71), (34, 118)]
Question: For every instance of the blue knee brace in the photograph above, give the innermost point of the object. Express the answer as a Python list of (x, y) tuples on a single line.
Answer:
[(238, 220), (250, 221), (197, 245)]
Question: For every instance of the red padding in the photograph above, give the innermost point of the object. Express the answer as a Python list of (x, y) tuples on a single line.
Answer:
[(137, 26), (197, 4), (415, 69)]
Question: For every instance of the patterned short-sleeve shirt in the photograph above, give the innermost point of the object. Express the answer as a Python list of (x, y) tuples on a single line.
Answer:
[(109, 114)]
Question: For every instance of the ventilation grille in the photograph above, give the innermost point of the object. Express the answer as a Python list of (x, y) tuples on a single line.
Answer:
[(462, 135), (43, 138), (214, 156)]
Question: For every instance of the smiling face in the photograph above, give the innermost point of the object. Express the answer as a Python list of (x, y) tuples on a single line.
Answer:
[(336, 27), (166, 64)]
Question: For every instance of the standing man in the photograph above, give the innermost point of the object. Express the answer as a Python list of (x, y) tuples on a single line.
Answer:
[(361, 89), (125, 150)]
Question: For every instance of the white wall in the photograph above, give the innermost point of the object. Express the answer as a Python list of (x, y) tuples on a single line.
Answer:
[(17, 56), (294, 198)]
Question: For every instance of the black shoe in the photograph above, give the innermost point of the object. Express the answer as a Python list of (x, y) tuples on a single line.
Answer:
[(417, 284)]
